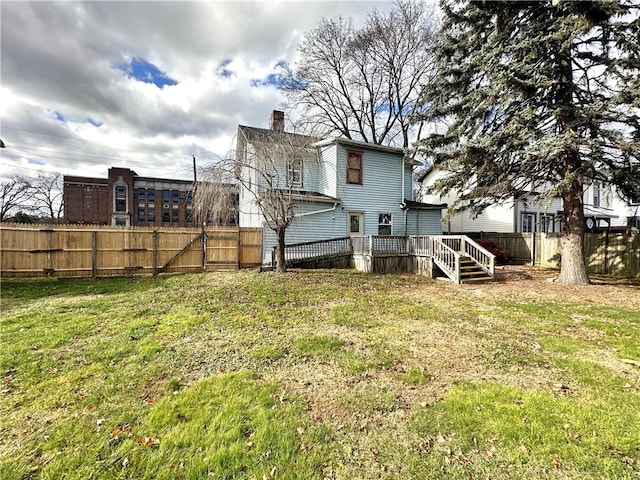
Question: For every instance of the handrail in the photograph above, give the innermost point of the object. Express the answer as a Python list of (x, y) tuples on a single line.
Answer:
[(315, 249), (483, 257), (446, 258)]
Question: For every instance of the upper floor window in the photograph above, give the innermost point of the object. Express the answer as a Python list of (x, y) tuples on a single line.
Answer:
[(121, 198), (597, 193), (166, 196), (175, 197), (354, 167), (294, 172)]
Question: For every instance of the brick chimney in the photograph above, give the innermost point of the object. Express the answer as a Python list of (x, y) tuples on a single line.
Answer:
[(277, 121)]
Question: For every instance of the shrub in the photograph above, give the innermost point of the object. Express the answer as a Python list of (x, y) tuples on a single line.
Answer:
[(500, 253)]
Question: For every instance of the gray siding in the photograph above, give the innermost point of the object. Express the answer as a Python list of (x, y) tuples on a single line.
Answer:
[(424, 222), (380, 192)]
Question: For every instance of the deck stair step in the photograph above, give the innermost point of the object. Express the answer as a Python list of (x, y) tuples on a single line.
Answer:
[(470, 271)]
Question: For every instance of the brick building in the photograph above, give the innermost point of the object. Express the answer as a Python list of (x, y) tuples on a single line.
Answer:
[(126, 199)]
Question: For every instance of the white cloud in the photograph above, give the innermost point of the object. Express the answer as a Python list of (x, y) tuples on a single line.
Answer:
[(65, 57)]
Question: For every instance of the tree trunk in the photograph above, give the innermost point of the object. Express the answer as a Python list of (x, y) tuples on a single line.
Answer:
[(572, 267), (281, 265)]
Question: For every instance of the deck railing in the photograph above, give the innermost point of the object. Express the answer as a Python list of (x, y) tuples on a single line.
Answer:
[(316, 249), (446, 250)]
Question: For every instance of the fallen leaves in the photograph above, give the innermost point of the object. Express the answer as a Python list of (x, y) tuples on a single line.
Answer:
[(149, 441)]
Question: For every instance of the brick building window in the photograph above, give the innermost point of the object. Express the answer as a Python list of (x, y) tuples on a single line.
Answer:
[(121, 198), (146, 205)]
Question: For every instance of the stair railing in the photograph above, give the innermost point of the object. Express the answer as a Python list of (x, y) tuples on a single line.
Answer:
[(445, 257), (483, 257)]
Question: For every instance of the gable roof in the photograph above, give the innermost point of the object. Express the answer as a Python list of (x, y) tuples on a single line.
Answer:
[(252, 134)]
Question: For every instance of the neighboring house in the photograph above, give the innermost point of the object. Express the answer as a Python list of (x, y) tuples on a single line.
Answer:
[(340, 187), (126, 199), (602, 208)]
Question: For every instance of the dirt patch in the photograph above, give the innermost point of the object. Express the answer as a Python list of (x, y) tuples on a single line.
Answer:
[(517, 280)]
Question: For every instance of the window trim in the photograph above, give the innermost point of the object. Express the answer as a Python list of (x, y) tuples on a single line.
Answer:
[(382, 224), (544, 218), (360, 156), (533, 222), (291, 169), (597, 193)]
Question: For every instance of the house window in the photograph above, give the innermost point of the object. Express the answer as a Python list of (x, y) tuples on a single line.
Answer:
[(384, 224), (166, 214), (354, 167), (151, 196), (546, 222), (597, 193), (528, 222), (166, 196), (141, 215), (175, 197), (188, 198), (142, 196), (151, 215), (294, 172)]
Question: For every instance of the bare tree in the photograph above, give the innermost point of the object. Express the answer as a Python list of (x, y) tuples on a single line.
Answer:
[(15, 195), (364, 84), (215, 200), (266, 168), (47, 194)]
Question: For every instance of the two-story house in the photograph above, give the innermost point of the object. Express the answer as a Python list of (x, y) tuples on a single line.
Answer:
[(603, 208), (337, 187)]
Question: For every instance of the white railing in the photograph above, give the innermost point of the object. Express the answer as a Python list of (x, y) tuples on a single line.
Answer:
[(480, 255), (445, 250), (445, 257)]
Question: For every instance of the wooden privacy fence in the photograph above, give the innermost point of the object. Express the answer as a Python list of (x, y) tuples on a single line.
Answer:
[(605, 253), (97, 251)]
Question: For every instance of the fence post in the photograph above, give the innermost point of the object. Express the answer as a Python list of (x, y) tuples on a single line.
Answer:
[(154, 252), (238, 248), (94, 254), (204, 248)]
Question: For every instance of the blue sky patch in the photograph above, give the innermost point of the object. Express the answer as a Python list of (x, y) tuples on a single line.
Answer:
[(223, 71), (33, 161), (59, 116), (271, 80), (93, 122), (143, 71)]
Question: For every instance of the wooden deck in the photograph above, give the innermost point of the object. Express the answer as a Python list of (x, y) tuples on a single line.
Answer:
[(458, 257)]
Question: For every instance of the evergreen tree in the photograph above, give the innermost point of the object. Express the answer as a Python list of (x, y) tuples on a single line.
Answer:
[(537, 96)]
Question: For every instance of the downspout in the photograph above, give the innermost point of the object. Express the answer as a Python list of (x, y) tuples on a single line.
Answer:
[(402, 199), (317, 211)]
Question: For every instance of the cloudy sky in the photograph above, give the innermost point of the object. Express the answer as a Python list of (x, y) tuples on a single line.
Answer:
[(145, 85)]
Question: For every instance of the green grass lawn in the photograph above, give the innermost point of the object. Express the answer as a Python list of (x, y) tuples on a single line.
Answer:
[(319, 374)]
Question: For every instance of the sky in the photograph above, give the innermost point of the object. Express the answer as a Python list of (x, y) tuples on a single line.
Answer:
[(88, 85)]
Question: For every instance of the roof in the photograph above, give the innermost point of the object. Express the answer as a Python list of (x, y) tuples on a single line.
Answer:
[(358, 144), (412, 205), (255, 133)]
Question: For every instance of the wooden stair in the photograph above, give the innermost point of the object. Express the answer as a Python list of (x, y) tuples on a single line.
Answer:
[(470, 271)]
